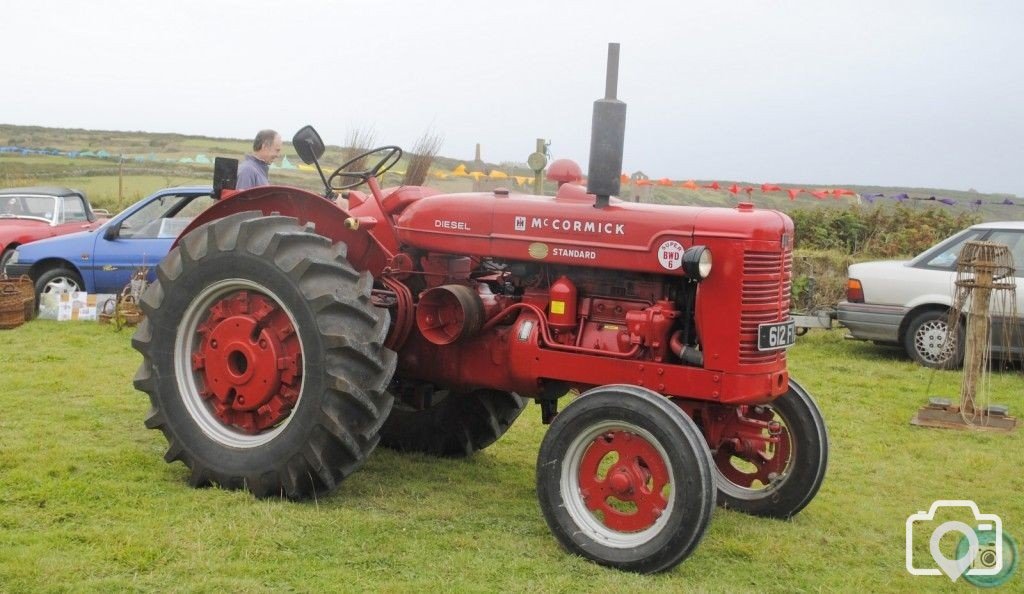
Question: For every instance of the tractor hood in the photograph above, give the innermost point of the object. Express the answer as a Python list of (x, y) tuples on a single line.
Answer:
[(567, 228)]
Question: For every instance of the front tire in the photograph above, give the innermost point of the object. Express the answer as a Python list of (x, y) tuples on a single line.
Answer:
[(263, 358), (58, 280), (779, 481), (624, 479)]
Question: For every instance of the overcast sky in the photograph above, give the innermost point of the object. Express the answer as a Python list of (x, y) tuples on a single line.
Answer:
[(909, 93)]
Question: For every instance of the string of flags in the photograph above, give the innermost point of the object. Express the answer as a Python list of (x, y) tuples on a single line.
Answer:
[(765, 189), (736, 189)]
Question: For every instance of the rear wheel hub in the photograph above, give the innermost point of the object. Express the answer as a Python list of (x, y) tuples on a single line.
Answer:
[(248, 358)]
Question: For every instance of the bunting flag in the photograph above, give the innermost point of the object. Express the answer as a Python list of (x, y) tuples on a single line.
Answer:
[(461, 171)]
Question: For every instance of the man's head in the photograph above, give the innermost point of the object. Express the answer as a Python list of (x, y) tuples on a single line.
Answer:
[(267, 146)]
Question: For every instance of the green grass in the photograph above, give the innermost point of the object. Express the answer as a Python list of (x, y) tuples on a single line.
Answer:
[(87, 503)]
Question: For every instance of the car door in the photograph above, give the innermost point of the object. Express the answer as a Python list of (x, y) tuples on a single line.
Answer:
[(143, 237), (1008, 309), (72, 216)]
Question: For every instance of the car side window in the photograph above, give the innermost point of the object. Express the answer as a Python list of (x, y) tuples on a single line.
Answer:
[(173, 225), (145, 223), (946, 259), (1015, 241), (74, 210), (195, 207)]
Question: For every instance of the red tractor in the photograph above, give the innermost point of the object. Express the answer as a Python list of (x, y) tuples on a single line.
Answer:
[(288, 335)]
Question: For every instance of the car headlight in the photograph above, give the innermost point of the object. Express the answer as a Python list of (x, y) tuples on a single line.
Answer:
[(697, 262)]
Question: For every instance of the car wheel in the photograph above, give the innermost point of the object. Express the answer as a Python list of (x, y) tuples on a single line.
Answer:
[(58, 279), (927, 342), (5, 257)]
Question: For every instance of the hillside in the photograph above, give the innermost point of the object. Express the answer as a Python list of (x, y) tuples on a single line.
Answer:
[(121, 167)]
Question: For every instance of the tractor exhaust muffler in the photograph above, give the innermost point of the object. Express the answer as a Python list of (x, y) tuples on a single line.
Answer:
[(607, 137)]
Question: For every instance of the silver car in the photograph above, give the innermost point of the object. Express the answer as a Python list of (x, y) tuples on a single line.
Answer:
[(907, 302)]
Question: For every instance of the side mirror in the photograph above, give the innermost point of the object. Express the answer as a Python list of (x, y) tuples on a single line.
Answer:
[(308, 145), (112, 232)]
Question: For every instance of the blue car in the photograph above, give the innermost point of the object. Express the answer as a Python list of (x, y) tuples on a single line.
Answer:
[(103, 260)]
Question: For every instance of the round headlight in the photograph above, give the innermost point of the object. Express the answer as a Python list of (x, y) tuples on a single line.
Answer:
[(697, 262)]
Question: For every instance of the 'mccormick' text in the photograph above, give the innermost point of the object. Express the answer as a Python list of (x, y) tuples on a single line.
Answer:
[(574, 226)]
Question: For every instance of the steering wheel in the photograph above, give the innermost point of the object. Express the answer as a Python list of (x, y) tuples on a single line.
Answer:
[(391, 156)]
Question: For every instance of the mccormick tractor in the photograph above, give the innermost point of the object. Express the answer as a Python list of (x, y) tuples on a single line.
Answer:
[(290, 333)]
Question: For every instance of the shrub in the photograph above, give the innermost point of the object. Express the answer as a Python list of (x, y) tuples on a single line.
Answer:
[(876, 232)]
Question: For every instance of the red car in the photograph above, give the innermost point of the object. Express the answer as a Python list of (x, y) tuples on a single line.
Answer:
[(28, 214)]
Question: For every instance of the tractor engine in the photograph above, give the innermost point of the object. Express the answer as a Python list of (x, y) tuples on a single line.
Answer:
[(571, 310), (570, 297)]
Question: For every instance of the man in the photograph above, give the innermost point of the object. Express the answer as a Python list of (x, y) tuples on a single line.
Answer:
[(255, 169)]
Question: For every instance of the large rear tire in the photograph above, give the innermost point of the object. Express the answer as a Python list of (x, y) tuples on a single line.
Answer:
[(263, 358), (780, 481), (450, 423), (624, 479)]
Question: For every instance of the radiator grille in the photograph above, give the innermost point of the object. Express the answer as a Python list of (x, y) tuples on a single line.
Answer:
[(767, 281)]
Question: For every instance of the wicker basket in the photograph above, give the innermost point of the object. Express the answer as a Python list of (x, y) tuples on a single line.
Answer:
[(28, 293), (129, 311), (12, 306), (107, 311)]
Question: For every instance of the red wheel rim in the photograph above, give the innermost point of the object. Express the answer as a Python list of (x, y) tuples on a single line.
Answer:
[(249, 361), (623, 477), (763, 460)]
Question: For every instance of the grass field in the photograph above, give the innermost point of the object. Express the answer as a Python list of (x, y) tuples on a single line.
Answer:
[(87, 503)]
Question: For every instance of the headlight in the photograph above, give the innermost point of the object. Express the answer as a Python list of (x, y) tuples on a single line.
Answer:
[(697, 262)]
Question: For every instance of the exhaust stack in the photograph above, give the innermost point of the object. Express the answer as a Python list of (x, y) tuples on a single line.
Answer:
[(607, 136)]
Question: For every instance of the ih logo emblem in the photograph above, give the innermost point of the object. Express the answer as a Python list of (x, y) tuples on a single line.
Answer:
[(520, 223)]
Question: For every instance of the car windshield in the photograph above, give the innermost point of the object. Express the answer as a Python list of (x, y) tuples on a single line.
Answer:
[(945, 254), (28, 207)]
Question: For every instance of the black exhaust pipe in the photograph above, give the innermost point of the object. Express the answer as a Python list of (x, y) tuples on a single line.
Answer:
[(607, 137)]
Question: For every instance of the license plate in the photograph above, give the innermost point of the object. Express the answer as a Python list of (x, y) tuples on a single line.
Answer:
[(771, 337)]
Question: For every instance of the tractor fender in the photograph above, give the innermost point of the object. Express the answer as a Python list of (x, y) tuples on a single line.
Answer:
[(326, 218)]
